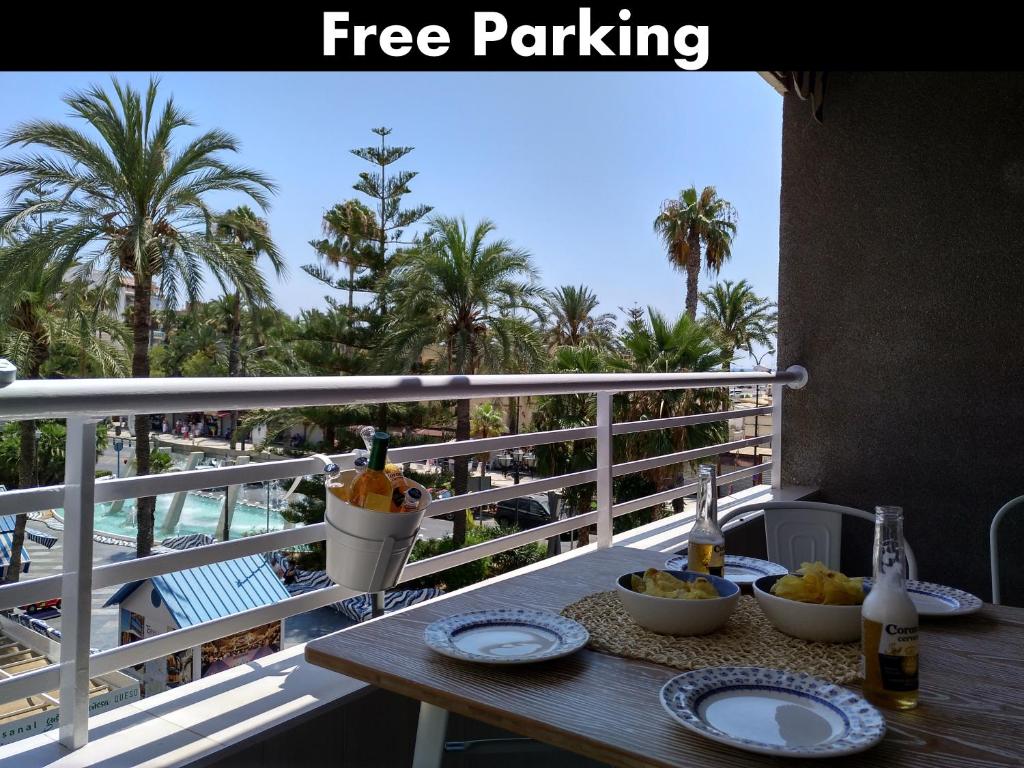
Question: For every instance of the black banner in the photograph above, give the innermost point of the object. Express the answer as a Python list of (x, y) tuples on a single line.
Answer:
[(499, 36)]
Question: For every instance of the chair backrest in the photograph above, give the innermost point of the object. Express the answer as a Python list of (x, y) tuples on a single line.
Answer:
[(806, 531), (993, 541)]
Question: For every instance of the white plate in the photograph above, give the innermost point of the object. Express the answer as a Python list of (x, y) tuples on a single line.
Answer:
[(773, 712), (938, 600), (739, 570), (506, 636)]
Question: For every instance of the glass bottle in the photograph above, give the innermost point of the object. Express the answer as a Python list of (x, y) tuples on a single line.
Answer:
[(706, 550), (889, 620), (372, 489)]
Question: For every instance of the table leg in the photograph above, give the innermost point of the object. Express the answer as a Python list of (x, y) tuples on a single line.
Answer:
[(430, 732)]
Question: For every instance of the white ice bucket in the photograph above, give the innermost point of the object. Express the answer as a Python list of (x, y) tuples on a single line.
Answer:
[(367, 550)]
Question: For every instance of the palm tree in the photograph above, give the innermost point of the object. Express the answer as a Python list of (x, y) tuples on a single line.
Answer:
[(569, 412), (693, 221), (40, 309), (738, 317), (485, 421), (458, 292), (242, 227), (657, 345), (129, 201), (572, 320)]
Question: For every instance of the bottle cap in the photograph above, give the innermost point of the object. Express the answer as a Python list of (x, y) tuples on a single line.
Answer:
[(414, 493), (361, 462)]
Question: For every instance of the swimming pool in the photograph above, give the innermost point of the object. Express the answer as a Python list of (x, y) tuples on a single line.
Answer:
[(199, 514)]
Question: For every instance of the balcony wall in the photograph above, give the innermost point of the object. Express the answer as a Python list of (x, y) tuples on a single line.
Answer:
[(901, 268)]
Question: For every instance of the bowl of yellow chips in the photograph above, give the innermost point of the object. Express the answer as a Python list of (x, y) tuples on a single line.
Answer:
[(677, 602), (814, 603)]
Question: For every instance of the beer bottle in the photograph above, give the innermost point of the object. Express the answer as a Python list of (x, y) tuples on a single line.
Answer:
[(397, 500), (889, 620), (372, 489), (413, 496), (706, 551)]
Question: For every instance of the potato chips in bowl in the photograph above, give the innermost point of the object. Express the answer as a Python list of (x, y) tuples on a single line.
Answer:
[(814, 603), (677, 602)]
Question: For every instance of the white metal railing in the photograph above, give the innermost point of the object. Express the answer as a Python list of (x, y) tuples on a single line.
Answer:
[(83, 402)]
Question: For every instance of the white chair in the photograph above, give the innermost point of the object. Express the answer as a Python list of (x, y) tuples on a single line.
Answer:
[(806, 531), (993, 541)]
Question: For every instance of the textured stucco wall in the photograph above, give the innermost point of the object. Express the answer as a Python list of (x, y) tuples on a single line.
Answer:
[(901, 288)]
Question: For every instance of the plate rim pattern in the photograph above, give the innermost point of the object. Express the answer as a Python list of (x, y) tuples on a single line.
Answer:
[(754, 563), (966, 603), (682, 694), (438, 635)]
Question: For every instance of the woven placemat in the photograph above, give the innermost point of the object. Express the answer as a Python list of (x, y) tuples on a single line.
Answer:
[(747, 639)]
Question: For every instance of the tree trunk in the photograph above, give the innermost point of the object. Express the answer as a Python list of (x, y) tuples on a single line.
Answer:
[(145, 507), (692, 273), (26, 479), (513, 415), (461, 470), (329, 438), (27, 454), (586, 498), (234, 357)]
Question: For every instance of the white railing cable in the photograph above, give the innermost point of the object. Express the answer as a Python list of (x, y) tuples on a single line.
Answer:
[(56, 399)]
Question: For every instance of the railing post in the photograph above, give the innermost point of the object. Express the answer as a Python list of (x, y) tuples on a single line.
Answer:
[(777, 390), (605, 463), (76, 593)]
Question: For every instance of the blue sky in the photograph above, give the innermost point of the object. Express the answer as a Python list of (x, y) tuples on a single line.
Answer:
[(570, 166)]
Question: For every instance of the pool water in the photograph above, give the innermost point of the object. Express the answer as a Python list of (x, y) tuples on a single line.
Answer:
[(198, 515)]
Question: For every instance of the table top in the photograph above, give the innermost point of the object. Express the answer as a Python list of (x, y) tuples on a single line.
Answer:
[(607, 708)]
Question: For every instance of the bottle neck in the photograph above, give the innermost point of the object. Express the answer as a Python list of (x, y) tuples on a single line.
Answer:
[(379, 452), (707, 496), (889, 549)]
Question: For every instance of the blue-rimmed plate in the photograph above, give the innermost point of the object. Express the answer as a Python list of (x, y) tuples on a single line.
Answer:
[(938, 600), (506, 636), (739, 570), (773, 712)]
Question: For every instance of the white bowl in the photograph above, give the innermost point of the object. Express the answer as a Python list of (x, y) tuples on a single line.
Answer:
[(671, 616), (808, 621)]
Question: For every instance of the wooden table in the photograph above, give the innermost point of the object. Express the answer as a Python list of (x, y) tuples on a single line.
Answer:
[(605, 707)]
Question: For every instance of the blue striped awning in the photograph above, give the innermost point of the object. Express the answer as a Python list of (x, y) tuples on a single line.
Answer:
[(5, 555), (39, 537)]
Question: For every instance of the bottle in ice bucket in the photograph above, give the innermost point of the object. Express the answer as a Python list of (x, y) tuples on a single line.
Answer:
[(706, 550), (360, 464), (413, 496), (889, 620), (372, 489)]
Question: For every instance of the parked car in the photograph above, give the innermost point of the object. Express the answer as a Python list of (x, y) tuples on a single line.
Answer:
[(528, 512)]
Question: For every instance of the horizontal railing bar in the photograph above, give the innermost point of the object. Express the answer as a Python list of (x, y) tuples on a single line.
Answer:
[(493, 495), (487, 444), (169, 642), (50, 497), (740, 474), (36, 590), (30, 683), (663, 497), (49, 399), (642, 465), (655, 499), (646, 425), (465, 555)]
